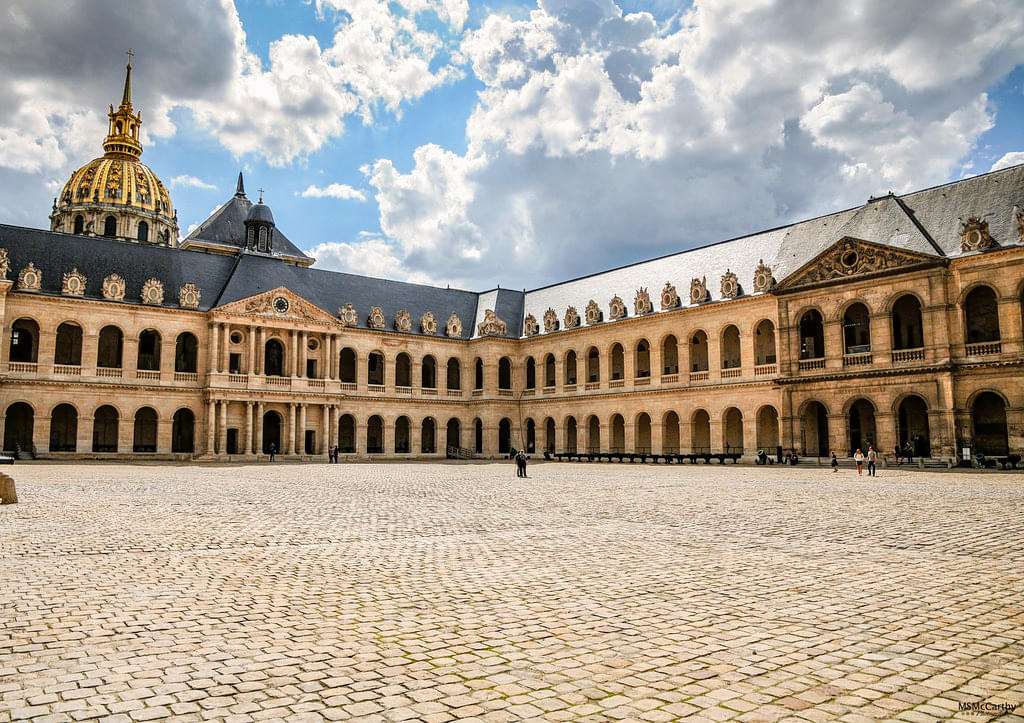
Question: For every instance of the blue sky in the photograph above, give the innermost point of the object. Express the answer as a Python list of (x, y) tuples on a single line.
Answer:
[(515, 142)]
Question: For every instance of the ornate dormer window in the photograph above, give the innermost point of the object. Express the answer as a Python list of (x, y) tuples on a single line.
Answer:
[(259, 228)]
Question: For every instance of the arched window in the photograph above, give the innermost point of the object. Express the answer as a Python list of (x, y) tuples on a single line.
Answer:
[(272, 424), (186, 353), (768, 430), (428, 435), (531, 373), (478, 436), (907, 327), (618, 429), (856, 329), (642, 434), (68, 347), (981, 315), (428, 379), (63, 428), (452, 434), (403, 371), (347, 366), (571, 369), (143, 234), (144, 438), (110, 226), (670, 433), (812, 335), (699, 352), (183, 431), (273, 359), (454, 376), (912, 423), (642, 359), (110, 347), (263, 245), (478, 373), (549, 435), (19, 424), (504, 436), (347, 433), (375, 435), (764, 343), (402, 435), (593, 365), (618, 361), (988, 422), (504, 373), (593, 435), (149, 350), (375, 369), (79, 224), (104, 429), (731, 348), (24, 341), (670, 357), (549, 370), (531, 436), (700, 432), (570, 435), (732, 428)]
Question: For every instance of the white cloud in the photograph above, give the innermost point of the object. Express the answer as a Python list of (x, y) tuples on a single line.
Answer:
[(334, 190), (1013, 158), (187, 181), (602, 137), (369, 257)]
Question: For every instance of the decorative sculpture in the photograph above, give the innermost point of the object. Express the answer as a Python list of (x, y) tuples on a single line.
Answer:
[(403, 321), (642, 302), (616, 308), (550, 320), (73, 283), (699, 290), (348, 316), (572, 318), (113, 288), (593, 312), (453, 329), (152, 292), (5, 264), (376, 318), (763, 276), (30, 278), (669, 297), (428, 323), (491, 325), (189, 296), (974, 235), (730, 285), (530, 327)]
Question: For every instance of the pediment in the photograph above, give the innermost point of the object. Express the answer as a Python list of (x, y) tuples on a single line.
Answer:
[(267, 305), (854, 258)]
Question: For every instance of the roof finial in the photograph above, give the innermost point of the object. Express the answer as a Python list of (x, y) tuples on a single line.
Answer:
[(240, 188), (261, 194), (126, 99)]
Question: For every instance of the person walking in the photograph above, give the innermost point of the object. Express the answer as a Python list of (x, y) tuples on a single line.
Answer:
[(273, 451), (835, 463), (858, 457), (899, 454), (872, 459)]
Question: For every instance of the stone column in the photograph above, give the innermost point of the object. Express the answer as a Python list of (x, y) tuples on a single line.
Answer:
[(90, 350), (416, 436), (605, 431), (325, 429), (838, 441), (1009, 311), (41, 433), (289, 424), (881, 339), (247, 435), (629, 436), (83, 442), (714, 360), (225, 353), (257, 444), (301, 358), (333, 426), (359, 437), (214, 365), (717, 434), (750, 436), (125, 435), (164, 430), (301, 437), (259, 352), (833, 333), (685, 436), (47, 347), (211, 425), (251, 368), (657, 434), (222, 431), (294, 343)]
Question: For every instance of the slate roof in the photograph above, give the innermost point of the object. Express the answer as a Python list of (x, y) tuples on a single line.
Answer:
[(226, 226), (925, 221)]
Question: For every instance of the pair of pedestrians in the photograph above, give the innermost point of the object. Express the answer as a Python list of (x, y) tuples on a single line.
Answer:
[(859, 457)]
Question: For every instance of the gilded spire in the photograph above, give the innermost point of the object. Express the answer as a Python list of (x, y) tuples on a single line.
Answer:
[(123, 132), (126, 99)]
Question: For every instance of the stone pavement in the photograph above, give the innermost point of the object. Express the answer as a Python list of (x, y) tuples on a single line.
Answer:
[(437, 592)]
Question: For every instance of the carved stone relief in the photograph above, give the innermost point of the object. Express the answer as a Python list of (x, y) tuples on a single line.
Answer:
[(593, 312), (491, 325), (428, 323), (730, 285), (669, 297), (348, 316), (189, 296), (762, 276), (454, 327), (572, 318), (1020, 230), (5, 264), (642, 302), (376, 318), (530, 327), (699, 290), (152, 292), (30, 278), (73, 283), (616, 308), (403, 321), (113, 288), (550, 320), (974, 235)]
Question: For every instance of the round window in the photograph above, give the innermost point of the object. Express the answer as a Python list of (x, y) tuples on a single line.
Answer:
[(236, 337), (313, 344), (850, 259), (280, 305)]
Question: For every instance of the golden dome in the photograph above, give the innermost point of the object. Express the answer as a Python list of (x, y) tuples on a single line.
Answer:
[(118, 182), (117, 192)]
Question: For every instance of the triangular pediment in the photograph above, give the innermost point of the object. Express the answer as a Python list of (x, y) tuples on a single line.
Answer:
[(851, 258), (269, 305)]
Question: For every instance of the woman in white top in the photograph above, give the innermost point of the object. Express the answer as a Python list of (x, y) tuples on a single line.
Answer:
[(858, 457)]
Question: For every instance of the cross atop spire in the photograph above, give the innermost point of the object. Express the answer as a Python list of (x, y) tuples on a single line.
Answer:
[(126, 99), (261, 194), (123, 129)]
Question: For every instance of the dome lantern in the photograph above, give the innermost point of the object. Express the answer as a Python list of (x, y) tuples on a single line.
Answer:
[(259, 227)]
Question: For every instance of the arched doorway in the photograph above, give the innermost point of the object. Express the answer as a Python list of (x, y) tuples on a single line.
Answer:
[(670, 433), (183, 428), (428, 436), (861, 419), (814, 430), (593, 365), (768, 429), (375, 368), (812, 335), (700, 431), (618, 442), (478, 436), (63, 428), (988, 422), (549, 370), (531, 373), (531, 436), (570, 368), (617, 361), (273, 358), (593, 435), (452, 433), (402, 435), (732, 423), (272, 432), (642, 359), (642, 434), (731, 354), (144, 436), (764, 343), (504, 436), (104, 429), (570, 435), (347, 434), (549, 435), (912, 421), (18, 426), (375, 435)]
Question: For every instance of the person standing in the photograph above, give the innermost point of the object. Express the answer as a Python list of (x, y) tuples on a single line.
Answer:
[(899, 454), (273, 451), (908, 452), (872, 459), (835, 463), (858, 457)]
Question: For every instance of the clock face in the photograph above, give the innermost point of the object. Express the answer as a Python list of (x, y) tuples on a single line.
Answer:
[(280, 305)]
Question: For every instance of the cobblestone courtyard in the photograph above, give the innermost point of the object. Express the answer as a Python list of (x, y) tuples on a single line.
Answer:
[(454, 592)]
